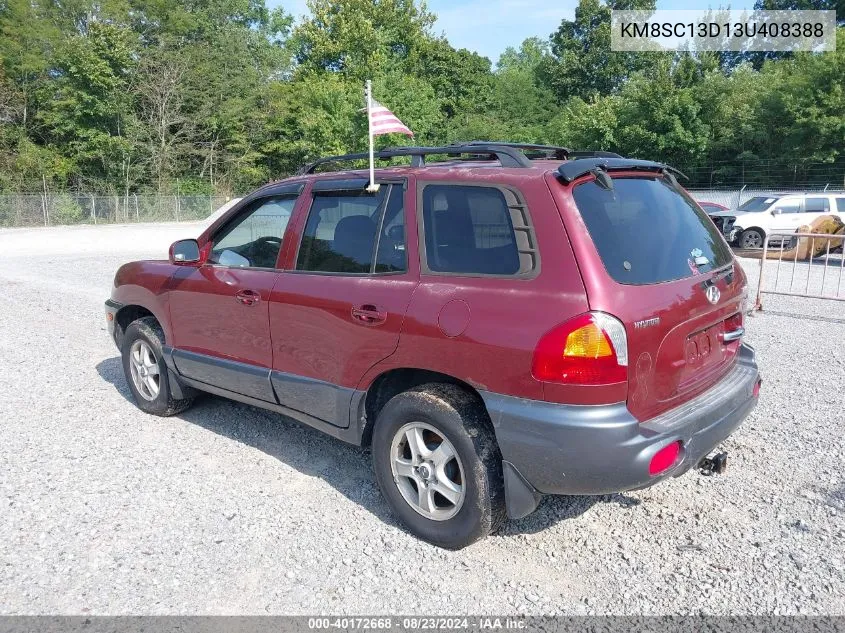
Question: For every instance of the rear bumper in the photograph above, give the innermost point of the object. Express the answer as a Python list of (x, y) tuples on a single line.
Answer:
[(581, 450)]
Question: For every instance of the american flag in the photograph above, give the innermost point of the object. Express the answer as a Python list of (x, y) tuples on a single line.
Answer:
[(383, 121)]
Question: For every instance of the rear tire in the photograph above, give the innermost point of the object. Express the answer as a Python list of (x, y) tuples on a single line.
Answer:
[(145, 370), (752, 238), (438, 465)]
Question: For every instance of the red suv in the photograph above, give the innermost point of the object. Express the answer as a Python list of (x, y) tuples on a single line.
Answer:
[(510, 322)]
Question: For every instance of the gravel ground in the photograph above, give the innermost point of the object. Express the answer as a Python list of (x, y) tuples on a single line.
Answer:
[(227, 509)]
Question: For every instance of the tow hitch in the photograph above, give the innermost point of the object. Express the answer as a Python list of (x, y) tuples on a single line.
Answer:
[(714, 465)]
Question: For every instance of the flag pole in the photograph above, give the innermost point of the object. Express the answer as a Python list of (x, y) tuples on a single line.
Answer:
[(373, 187)]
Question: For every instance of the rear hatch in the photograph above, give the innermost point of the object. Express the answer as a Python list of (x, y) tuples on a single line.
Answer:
[(651, 257)]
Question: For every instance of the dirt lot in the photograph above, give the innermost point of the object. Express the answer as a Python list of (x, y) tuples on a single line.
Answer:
[(229, 509)]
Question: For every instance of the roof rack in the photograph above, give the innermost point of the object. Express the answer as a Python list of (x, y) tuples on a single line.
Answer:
[(549, 151), (508, 156), (598, 154)]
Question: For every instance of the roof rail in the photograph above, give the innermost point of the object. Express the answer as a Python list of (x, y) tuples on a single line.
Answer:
[(508, 154), (589, 154), (550, 151)]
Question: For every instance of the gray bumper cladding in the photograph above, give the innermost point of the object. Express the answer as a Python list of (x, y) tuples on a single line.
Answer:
[(580, 450)]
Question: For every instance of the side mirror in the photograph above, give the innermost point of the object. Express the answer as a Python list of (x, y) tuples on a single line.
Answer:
[(185, 252), (777, 211)]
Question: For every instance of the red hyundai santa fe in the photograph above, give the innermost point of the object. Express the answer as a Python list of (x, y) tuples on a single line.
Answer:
[(508, 322)]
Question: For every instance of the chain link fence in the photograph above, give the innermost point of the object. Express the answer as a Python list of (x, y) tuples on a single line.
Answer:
[(33, 209)]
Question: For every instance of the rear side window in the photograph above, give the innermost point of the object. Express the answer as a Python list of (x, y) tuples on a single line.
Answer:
[(840, 205), (355, 232), (476, 230), (816, 205), (647, 232)]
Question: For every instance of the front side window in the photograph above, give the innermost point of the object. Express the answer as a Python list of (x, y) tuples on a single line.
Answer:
[(355, 232), (254, 239), (648, 232), (476, 230), (816, 205), (789, 205)]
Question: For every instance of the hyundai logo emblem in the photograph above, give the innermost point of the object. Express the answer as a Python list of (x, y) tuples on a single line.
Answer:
[(713, 294)]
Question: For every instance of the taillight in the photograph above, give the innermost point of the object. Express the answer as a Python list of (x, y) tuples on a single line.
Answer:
[(591, 349)]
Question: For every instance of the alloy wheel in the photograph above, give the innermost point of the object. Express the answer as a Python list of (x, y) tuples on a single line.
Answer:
[(427, 471), (144, 369), (752, 239)]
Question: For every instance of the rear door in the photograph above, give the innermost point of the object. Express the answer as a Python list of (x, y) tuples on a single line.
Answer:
[(814, 208), (649, 256), (338, 307)]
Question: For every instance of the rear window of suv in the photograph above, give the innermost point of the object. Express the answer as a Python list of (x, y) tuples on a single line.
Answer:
[(648, 232)]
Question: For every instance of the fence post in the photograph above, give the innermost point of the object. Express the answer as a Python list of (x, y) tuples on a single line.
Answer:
[(739, 197), (44, 201), (758, 302), (93, 209), (137, 214), (176, 199)]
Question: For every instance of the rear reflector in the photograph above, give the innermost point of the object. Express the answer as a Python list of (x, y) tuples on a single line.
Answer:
[(591, 349), (664, 459), (757, 386)]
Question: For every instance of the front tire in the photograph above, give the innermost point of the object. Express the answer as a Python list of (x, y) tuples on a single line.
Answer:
[(145, 370), (752, 238), (438, 465)]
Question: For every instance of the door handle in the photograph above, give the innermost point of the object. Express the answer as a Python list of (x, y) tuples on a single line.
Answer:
[(248, 297), (368, 314)]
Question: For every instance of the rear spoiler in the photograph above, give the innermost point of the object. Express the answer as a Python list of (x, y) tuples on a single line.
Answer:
[(574, 169)]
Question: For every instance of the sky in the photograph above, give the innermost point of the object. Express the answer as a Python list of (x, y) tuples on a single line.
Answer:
[(488, 27)]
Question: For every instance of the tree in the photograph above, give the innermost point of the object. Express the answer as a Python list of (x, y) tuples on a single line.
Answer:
[(360, 38), (518, 107), (164, 128), (581, 63), (461, 79), (83, 109)]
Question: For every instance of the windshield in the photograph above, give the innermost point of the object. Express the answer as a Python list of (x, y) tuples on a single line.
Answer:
[(648, 232), (758, 203)]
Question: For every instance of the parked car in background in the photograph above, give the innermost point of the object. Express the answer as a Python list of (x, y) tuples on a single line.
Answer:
[(758, 217), (495, 328), (712, 207)]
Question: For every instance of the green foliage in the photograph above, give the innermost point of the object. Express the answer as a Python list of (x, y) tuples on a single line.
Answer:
[(119, 96), (360, 38), (582, 64), (65, 210)]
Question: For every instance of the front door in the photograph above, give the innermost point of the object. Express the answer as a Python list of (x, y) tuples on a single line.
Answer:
[(219, 311), (787, 214), (338, 308)]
